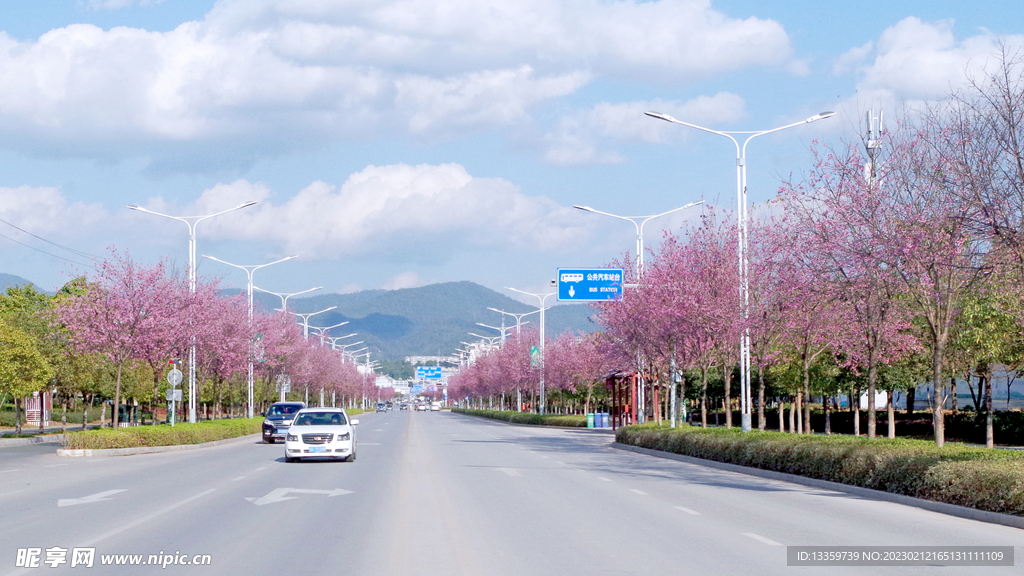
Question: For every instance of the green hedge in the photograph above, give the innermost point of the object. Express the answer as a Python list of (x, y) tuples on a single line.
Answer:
[(571, 421), (162, 435), (975, 477)]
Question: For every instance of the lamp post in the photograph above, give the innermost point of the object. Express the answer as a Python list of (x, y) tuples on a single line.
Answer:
[(540, 299), (249, 271), (322, 330), (503, 330), (192, 222), (518, 317), (284, 297), (334, 340), (741, 203), (639, 229)]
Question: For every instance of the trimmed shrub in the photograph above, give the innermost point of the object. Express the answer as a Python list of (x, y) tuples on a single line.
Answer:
[(566, 420), (968, 476), (162, 435)]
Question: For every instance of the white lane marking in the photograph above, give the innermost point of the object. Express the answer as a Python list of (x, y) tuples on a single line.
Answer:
[(369, 443), (9, 493), (640, 492), (56, 465), (557, 462), (379, 430), (510, 471), (542, 456), (687, 510), (761, 539), (279, 495), (261, 468), (144, 519), (98, 497), (12, 470), (603, 479), (237, 479)]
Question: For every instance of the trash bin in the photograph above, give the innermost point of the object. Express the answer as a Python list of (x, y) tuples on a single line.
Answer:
[(604, 420), (590, 419)]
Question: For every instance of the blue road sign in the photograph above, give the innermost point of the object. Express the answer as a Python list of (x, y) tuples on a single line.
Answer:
[(417, 389), (589, 284), (428, 372)]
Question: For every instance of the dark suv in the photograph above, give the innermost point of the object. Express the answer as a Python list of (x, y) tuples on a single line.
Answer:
[(278, 419)]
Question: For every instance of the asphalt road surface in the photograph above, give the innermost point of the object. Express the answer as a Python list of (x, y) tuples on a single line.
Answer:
[(442, 494)]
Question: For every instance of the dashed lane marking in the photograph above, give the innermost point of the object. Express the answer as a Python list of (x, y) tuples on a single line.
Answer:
[(760, 538)]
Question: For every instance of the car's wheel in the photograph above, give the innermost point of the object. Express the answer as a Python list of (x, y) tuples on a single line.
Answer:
[(351, 457), (289, 459), (268, 440)]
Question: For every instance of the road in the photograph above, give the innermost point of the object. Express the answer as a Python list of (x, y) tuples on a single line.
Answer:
[(445, 494)]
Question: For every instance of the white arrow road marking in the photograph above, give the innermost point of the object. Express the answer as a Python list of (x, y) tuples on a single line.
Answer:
[(510, 471), (761, 539), (89, 499), (279, 495)]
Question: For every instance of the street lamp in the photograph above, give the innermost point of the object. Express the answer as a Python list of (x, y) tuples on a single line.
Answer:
[(322, 330), (518, 317), (540, 298), (503, 330), (334, 340), (284, 297), (249, 271), (741, 202), (306, 316), (639, 229), (192, 222)]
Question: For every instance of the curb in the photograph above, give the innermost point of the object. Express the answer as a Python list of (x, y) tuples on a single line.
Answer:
[(45, 439), (78, 453), (940, 507), (545, 426)]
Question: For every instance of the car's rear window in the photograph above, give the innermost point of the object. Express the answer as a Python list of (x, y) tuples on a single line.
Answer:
[(320, 419)]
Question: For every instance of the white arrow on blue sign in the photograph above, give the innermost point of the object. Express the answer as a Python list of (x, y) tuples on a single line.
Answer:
[(589, 284), (428, 373)]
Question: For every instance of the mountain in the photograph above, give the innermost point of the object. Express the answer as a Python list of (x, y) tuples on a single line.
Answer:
[(428, 321), (12, 280)]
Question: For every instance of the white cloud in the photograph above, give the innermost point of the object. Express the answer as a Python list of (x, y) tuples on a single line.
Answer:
[(425, 212), (404, 280), (577, 137), (44, 211), (850, 59), (924, 60), (301, 71)]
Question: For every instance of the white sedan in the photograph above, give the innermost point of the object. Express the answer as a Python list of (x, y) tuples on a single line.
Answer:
[(321, 433)]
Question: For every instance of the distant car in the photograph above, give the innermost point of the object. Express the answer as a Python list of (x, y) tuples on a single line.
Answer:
[(403, 406), (278, 418), (435, 406), (421, 407), (381, 407), (321, 433)]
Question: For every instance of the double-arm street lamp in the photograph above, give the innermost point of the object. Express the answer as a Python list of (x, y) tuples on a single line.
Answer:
[(638, 223), (742, 216), (284, 296), (540, 305), (249, 270), (321, 331), (192, 222)]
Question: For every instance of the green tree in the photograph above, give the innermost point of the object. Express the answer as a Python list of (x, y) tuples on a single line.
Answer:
[(23, 369)]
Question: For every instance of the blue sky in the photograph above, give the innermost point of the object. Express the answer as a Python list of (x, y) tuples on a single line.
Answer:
[(393, 144)]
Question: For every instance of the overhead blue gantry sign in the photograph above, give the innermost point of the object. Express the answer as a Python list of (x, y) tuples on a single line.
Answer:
[(428, 372), (589, 284)]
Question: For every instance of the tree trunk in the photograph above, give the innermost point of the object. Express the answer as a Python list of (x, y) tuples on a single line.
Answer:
[(938, 417), (782, 416), (760, 400), (17, 415), (115, 411), (728, 396), (63, 415), (990, 441), (872, 386), (828, 414), (855, 404), (703, 398), (42, 410), (792, 415)]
